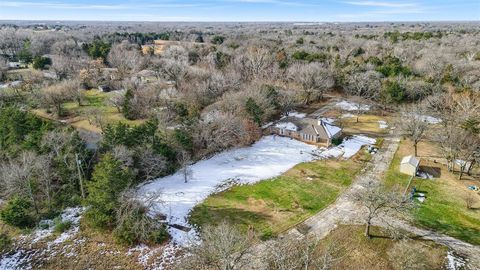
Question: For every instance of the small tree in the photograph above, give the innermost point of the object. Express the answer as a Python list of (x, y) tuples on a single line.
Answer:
[(413, 126), (255, 112), (222, 247), (184, 159)]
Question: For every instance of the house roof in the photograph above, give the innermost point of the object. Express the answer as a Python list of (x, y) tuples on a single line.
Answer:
[(410, 160), (309, 126)]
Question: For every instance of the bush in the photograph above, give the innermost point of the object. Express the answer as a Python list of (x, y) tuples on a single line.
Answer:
[(337, 141), (218, 40), (61, 226), (266, 234), (159, 236), (17, 213), (40, 62)]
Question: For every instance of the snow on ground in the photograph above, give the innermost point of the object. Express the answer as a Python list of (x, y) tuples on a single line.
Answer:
[(267, 158), (382, 124), (347, 115), (351, 106), (297, 114), (430, 119), (454, 262), (20, 258), (287, 125), (348, 147)]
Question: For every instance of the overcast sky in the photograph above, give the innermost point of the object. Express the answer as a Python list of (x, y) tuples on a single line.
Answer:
[(241, 10)]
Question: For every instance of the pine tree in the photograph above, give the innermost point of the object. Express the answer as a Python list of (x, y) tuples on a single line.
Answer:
[(109, 179)]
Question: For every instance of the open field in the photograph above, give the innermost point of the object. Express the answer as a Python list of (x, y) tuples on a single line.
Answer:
[(444, 209), (272, 206)]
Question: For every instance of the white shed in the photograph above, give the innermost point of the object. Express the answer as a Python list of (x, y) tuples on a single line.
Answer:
[(409, 165)]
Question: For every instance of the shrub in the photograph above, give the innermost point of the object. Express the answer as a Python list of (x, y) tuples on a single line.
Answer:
[(218, 40), (40, 62), (337, 141), (17, 213), (61, 226), (267, 233)]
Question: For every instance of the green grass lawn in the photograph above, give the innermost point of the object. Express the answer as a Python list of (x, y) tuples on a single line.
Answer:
[(444, 209), (274, 205)]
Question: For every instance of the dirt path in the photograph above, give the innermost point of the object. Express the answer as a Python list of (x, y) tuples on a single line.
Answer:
[(345, 211)]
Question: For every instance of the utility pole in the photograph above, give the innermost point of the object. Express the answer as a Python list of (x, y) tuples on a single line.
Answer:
[(78, 162)]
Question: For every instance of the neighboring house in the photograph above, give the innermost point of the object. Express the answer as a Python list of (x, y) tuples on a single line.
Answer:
[(409, 165), (316, 131)]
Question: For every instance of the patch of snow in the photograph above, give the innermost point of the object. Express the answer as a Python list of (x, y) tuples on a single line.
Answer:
[(267, 125), (382, 124), (430, 119), (21, 258), (352, 106), (328, 120), (267, 158), (287, 125), (421, 199), (424, 175), (347, 115), (349, 147), (454, 262), (297, 114)]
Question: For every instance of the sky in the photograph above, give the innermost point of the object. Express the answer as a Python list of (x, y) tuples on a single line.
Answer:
[(242, 10)]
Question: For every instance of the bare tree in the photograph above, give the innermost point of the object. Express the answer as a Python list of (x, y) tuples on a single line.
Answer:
[(185, 160), (363, 87), (151, 165), (413, 125), (222, 247), (292, 253), (57, 94), (378, 201), (17, 177), (314, 80), (127, 58)]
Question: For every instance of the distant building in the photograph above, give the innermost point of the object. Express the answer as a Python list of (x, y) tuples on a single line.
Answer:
[(316, 131), (409, 165)]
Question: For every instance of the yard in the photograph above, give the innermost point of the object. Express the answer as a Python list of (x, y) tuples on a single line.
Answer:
[(94, 105), (272, 206), (358, 252), (444, 208)]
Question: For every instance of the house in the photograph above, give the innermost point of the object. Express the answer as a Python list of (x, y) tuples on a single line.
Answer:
[(409, 165), (316, 131)]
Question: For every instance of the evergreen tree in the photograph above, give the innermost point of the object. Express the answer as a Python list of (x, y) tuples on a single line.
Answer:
[(109, 179), (254, 111)]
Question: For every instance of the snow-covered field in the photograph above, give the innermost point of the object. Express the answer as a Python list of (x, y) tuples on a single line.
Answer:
[(269, 157)]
